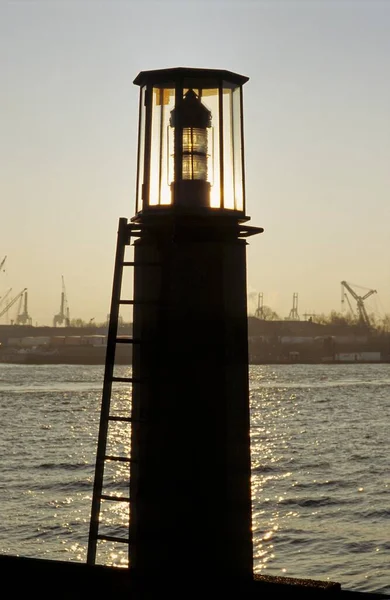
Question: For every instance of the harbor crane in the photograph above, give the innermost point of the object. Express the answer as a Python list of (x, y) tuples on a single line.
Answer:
[(12, 302), (259, 313), (23, 318), (362, 312), (294, 316), (62, 318)]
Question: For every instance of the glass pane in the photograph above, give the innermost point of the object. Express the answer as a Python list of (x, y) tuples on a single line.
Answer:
[(209, 98), (238, 152), (163, 99), (228, 170), (141, 148)]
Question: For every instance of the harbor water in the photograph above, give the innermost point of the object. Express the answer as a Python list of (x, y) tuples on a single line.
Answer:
[(320, 468)]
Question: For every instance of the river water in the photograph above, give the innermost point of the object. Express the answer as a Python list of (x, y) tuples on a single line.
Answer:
[(320, 468)]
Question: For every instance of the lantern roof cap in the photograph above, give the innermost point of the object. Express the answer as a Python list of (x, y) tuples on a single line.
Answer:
[(179, 73)]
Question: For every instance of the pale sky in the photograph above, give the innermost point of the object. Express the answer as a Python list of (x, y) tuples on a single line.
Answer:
[(317, 140)]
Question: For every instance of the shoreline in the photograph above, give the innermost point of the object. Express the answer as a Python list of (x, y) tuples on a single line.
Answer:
[(99, 359)]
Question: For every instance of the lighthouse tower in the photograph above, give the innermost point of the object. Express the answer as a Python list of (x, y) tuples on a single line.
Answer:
[(190, 494)]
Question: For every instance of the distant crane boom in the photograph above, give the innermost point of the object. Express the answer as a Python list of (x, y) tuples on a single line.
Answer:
[(363, 315), (3, 299), (63, 316), (344, 296), (12, 302)]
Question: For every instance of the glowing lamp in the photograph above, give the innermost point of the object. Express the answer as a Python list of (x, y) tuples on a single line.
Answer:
[(190, 142), (193, 121)]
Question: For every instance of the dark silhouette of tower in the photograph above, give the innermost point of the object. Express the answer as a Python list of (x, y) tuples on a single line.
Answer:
[(190, 494)]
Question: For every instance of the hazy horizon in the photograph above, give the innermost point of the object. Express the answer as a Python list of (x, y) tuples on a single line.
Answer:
[(317, 141)]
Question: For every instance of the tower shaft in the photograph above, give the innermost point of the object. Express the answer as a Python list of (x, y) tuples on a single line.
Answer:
[(190, 474)]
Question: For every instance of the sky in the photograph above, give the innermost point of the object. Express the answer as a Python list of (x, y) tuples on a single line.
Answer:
[(317, 141)]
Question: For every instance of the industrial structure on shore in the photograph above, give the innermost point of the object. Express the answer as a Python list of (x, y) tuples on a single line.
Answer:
[(359, 314), (352, 338), (271, 340)]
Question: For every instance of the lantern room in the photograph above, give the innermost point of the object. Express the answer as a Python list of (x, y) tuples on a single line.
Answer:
[(190, 142)]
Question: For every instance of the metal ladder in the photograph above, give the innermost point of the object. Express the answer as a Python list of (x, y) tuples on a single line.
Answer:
[(125, 232)]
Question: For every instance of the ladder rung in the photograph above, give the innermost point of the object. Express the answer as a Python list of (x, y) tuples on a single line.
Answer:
[(127, 340), (127, 379), (132, 302), (123, 419), (112, 538), (131, 263), (118, 458), (115, 498)]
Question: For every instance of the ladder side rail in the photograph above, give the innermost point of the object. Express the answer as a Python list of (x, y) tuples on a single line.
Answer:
[(122, 241)]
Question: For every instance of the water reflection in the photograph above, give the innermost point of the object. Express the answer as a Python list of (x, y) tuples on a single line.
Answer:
[(319, 444)]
